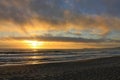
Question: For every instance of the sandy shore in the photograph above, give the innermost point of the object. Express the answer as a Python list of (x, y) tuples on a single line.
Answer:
[(94, 69)]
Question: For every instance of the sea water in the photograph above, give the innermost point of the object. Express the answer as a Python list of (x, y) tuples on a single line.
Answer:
[(10, 57)]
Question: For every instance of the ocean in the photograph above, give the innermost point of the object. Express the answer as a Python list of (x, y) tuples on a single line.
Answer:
[(10, 57)]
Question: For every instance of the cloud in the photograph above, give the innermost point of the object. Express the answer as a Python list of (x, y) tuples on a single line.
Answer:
[(16, 11), (97, 17), (63, 39)]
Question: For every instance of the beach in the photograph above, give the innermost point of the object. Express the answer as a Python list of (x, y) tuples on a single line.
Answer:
[(92, 69)]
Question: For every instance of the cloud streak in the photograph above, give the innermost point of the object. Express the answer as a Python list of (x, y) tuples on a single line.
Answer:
[(96, 17), (63, 39)]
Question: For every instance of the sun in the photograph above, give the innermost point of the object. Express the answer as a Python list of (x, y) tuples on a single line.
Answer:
[(34, 44)]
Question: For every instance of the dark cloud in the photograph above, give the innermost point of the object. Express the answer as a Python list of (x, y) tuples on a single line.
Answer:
[(101, 15), (52, 8), (62, 39), (112, 7), (16, 11), (55, 10)]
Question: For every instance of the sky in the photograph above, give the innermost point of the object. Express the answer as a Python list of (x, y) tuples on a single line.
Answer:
[(59, 23)]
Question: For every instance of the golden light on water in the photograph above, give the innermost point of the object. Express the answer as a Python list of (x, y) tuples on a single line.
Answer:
[(34, 44)]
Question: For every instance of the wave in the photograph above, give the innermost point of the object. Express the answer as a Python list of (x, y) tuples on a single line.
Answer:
[(22, 57)]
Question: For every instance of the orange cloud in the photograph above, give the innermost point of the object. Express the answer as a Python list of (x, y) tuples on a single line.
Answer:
[(28, 17), (98, 25)]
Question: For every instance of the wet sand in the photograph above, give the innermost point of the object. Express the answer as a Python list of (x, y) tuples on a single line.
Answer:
[(94, 69)]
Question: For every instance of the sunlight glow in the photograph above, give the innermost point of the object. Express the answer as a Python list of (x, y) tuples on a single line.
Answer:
[(34, 44)]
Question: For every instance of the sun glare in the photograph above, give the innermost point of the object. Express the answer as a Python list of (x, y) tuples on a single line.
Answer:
[(34, 44)]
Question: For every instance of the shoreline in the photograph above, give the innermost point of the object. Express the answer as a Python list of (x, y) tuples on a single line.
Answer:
[(56, 62), (103, 68)]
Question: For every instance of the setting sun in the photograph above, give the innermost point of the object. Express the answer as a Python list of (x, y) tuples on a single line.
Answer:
[(34, 44)]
